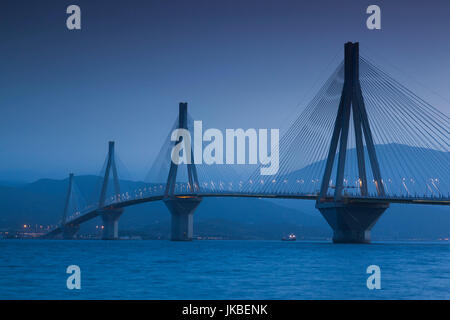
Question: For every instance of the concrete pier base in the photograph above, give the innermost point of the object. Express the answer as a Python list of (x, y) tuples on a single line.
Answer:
[(111, 224), (182, 211), (69, 231), (351, 222)]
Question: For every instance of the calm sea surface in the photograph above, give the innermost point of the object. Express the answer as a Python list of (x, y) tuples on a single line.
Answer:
[(33, 269)]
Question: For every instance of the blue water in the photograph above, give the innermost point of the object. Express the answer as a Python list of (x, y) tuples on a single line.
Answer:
[(32, 269)]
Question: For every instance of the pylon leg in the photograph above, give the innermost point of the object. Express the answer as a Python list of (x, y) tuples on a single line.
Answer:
[(69, 231), (111, 224)]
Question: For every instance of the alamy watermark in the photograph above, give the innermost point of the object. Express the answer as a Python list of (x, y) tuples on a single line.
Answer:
[(373, 22), (374, 280), (235, 151), (74, 280), (73, 22)]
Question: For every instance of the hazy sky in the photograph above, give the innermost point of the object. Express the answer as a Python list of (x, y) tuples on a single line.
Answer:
[(252, 63)]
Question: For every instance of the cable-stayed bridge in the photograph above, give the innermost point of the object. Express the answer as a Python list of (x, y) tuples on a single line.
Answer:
[(363, 142)]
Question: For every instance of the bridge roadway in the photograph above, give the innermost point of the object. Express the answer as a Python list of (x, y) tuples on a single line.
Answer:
[(96, 212)]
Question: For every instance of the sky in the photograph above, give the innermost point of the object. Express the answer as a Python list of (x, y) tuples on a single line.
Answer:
[(239, 64)]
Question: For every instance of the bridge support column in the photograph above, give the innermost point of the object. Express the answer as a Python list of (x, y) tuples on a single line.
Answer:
[(111, 224), (69, 231), (351, 222), (182, 211)]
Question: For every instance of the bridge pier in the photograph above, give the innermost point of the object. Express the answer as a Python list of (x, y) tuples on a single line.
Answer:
[(351, 222), (182, 211), (110, 220), (69, 231)]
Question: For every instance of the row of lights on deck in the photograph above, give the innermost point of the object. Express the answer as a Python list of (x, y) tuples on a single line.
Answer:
[(141, 192)]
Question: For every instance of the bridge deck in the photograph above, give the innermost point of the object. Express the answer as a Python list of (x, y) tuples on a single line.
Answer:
[(94, 213)]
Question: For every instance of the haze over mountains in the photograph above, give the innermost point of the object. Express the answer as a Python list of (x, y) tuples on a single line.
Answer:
[(406, 171), (42, 202)]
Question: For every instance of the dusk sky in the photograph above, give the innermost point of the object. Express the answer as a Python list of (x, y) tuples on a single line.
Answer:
[(251, 64)]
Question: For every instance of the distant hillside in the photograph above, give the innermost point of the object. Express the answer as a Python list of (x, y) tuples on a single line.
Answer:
[(400, 221), (42, 202), (230, 218)]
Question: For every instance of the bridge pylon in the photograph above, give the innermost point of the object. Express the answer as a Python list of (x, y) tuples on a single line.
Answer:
[(69, 230), (182, 207), (351, 222), (110, 216)]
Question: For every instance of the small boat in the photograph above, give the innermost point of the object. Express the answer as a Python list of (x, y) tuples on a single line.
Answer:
[(290, 237)]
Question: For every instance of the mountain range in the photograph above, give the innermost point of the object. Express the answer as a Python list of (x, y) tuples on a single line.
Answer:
[(42, 203)]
